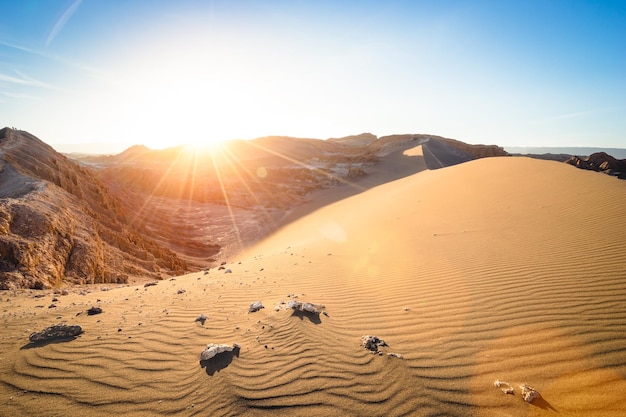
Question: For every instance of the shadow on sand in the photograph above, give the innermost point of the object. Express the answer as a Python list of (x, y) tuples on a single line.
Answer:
[(542, 403), (219, 362), (314, 318), (31, 345)]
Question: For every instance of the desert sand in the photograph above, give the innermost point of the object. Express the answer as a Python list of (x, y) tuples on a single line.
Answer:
[(507, 269)]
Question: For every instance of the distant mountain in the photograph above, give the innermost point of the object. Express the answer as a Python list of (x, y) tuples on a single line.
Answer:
[(59, 222), (618, 153), (362, 140)]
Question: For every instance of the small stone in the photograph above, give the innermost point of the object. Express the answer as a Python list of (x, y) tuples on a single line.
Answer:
[(255, 306), (93, 311), (372, 343), (150, 284), (504, 386), (201, 319), (529, 394), (181, 291)]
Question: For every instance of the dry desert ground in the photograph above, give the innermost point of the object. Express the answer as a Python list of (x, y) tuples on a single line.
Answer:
[(508, 269)]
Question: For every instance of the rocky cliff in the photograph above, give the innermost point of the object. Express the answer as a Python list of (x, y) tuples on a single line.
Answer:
[(59, 223), (601, 162)]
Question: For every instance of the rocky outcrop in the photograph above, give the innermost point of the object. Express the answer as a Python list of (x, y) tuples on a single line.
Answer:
[(601, 162), (58, 223), (57, 332)]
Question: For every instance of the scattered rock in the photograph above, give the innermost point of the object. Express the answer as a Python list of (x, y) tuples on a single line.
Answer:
[(528, 393), (306, 307), (228, 271), (256, 306), (372, 343), (504, 386), (396, 355), (213, 349), (181, 291), (201, 319), (55, 332), (93, 311), (150, 284)]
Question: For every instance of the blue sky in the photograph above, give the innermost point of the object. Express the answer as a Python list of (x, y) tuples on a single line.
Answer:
[(512, 73)]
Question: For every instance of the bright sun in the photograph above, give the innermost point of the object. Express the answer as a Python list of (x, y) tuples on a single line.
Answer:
[(188, 99)]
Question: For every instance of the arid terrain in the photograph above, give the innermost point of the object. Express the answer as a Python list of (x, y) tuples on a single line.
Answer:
[(152, 214), (472, 270)]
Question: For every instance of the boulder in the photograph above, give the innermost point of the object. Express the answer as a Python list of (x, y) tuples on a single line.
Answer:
[(306, 307), (56, 332), (213, 349)]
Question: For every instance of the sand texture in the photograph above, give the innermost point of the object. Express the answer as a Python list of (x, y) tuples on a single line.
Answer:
[(506, 269)]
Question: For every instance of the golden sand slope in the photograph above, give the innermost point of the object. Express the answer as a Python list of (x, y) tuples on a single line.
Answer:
[(502, 268)]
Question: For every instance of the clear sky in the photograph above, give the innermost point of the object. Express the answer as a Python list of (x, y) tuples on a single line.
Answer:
[(159, 73)]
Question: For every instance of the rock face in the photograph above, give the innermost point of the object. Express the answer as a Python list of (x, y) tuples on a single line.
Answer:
[(56, 332), (59, 223), (601, 162)]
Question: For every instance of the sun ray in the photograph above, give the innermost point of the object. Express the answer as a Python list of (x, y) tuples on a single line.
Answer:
[(148, 201), (227, 201), (307, 166), (232, 159)]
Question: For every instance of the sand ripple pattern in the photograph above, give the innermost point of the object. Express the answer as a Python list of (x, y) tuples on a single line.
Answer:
[(482, 271)]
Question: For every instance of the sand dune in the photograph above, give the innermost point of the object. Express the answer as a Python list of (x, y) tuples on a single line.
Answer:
[(500, 268)]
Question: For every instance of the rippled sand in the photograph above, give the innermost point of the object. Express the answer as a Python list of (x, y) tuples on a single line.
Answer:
[(501, 268)]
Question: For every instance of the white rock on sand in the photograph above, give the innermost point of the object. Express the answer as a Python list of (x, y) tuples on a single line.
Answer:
[(213, 349)]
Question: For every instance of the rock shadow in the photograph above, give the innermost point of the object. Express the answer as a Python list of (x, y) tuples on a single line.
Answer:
[(219, 362), (542, 403), (32, 345), (314, 318)]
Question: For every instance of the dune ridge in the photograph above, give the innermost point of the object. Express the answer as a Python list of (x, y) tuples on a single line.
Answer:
[(499, 268)]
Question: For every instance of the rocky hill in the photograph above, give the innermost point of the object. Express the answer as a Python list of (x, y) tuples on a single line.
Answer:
[(150, 213), (601, 162), (59, 223)]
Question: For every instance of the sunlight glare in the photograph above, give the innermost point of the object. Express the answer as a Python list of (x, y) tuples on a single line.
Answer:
[(172, 95)]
